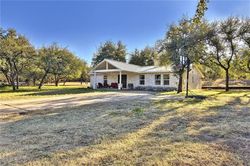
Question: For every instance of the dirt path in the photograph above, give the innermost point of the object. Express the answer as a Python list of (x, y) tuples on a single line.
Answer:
[(17, 106)]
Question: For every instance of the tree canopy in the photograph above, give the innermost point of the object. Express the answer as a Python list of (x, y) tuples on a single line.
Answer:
[(223, 43), (19, 60), (144, 57), (15, 53), (110, 50)]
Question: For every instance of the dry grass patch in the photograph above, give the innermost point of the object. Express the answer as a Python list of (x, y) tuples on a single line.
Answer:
[(170, 130)]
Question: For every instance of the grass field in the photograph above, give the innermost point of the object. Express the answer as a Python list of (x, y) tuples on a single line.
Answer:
[(26, 92), (166, 129)]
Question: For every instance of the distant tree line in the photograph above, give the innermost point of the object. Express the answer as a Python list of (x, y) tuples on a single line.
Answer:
[(20, 61)]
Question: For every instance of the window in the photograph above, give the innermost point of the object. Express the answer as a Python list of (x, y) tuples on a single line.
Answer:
[(158, 79), (142, 79), (166, 79), (105, 79)]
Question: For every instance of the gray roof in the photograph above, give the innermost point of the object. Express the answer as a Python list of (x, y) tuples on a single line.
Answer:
[(137, 69)]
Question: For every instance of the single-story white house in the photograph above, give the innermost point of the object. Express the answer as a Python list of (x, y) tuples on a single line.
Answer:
[(121, 75)]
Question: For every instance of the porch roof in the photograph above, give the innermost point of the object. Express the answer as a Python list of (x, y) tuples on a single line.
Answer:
[(106, 71), (122, 66)]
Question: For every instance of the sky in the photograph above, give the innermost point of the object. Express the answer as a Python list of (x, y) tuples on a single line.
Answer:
[(81, 25)]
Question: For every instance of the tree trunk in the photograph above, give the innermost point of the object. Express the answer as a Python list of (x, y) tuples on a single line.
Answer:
[(56, 82), (64, 82), (179, 90), (13, 86), (42, 80), (81, 80), (17, 81), (12, 80), (34, 81), (188, 68), (8, 79), (227, 80)]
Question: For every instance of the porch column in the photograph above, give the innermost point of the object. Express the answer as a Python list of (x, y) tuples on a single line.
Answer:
[(120, 81), (107, 66), (94, 86)]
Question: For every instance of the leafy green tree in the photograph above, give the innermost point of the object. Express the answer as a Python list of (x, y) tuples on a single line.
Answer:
[(84, 70), (210, 70), (182, 46), (144, 57), (120, 52), (244, 58), (196, 23), (47, 58), (223, 39), (243, 61), (136, 58), (32, 73), (15, 53), (200, 11), (74, 68), (65, 66), (245, 31), (60, 63), (110, 50), (171, 53)]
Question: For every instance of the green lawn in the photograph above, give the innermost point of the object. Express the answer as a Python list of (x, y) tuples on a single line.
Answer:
[(165, 130), (26, 92)]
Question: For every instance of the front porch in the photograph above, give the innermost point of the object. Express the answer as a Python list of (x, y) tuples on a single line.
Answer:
[(107, 79), (114, 74)]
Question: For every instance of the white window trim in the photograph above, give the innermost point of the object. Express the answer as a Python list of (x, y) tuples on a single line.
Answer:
[(166, 79), (158, 80)]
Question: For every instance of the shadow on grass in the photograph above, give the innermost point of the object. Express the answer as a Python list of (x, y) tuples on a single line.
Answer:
[(222, 137), (64, 129), (157, 134), (48, 91), (61, 91), (20, 90)]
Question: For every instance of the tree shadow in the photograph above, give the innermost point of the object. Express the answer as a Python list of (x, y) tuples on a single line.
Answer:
[(158, 133), (60, 92), (222, 135), (45, 132), (229, 127), (50, 91)]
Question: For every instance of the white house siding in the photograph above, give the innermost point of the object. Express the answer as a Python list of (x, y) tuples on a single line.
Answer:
[(99, 78), (195, 79), (112, 69), (112, 77), (133, 78), (150, 80)]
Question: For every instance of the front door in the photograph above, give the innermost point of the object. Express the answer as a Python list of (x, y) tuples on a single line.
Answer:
[(124, 80)]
